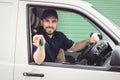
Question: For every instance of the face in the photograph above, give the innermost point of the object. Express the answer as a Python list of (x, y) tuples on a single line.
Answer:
[(49, 25)]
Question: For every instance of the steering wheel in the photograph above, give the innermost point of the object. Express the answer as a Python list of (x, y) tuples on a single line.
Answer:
[(82, 58), (87, 56)]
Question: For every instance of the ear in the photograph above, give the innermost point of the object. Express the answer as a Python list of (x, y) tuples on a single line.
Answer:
[(41, 22)]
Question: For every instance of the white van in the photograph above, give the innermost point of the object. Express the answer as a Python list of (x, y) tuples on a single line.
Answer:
[(19, 21)]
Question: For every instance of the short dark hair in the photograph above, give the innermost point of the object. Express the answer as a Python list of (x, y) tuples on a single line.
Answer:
[(48, 13)]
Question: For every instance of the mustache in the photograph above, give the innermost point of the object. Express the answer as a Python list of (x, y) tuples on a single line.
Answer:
[(50, 27)]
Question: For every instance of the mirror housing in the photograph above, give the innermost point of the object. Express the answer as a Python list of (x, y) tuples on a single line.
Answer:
[(115, 57)]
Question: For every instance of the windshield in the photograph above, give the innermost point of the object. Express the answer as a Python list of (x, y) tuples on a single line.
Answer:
[(113, 27), (113, 22)]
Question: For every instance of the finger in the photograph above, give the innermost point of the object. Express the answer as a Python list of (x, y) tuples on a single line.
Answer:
[(34, 44)]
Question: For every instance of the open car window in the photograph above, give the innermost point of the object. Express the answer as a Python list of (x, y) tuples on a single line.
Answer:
[(76, 27)]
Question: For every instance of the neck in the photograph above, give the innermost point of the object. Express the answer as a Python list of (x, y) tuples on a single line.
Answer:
[(50, 36)]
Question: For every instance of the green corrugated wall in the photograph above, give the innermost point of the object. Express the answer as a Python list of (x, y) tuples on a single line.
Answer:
[(68, 21), (110, 8)]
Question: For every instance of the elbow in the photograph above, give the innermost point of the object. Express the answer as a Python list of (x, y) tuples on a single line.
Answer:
[(38, 62), (39, 58)]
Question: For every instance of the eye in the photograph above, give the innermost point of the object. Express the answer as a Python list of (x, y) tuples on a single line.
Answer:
[(54, 21), (46, 20)]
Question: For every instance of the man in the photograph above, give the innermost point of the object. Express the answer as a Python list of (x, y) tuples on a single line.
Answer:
[(52, 40)]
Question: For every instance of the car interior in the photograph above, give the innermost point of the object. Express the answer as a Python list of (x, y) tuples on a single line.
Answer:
[(94, 56)]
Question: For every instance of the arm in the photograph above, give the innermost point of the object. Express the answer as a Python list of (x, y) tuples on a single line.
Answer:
[(77, 46), (39, 54)]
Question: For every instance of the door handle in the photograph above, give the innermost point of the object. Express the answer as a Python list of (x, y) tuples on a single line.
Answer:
[(33, 74)]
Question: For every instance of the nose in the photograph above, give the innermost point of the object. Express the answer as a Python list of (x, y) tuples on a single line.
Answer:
[(50, 24)]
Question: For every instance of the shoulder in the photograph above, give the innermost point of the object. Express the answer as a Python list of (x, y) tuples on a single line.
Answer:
[(59, 33)]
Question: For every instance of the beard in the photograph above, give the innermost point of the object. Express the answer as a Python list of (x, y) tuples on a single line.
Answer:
[(50, 30)]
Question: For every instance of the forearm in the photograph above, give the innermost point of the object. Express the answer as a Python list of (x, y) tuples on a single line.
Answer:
[(39, 55), (77, 46)]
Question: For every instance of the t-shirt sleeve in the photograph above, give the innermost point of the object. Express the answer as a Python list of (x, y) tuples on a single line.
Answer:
[(67, 43)]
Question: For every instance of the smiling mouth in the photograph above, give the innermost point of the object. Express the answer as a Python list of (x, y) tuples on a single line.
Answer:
[(49, 28)]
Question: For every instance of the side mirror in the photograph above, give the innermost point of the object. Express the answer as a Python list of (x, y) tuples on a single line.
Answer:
[(115, 57)]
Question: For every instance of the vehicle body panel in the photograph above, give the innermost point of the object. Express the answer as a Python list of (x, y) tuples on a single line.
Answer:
[(18, 63)]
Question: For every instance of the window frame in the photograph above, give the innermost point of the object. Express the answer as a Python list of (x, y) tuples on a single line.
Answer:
[(52, 64)]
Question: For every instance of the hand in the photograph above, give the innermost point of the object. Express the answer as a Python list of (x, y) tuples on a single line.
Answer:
[(37, 38), (94, 39)]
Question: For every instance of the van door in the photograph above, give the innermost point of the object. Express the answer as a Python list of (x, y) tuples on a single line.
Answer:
[(8, 20)]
